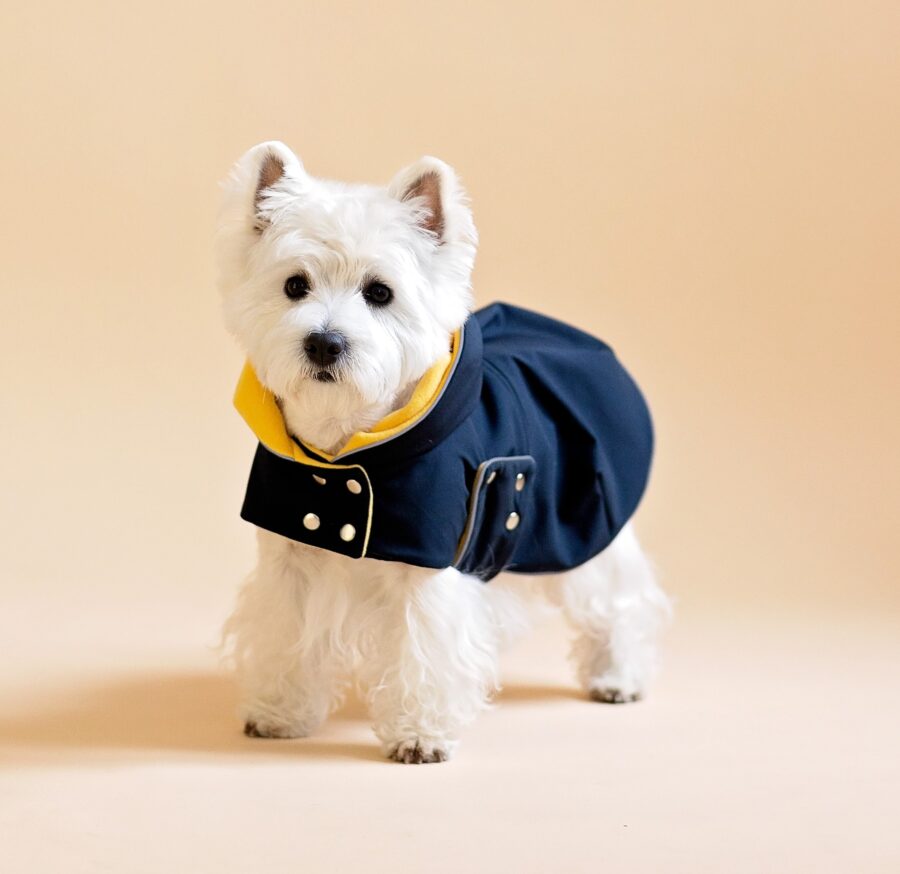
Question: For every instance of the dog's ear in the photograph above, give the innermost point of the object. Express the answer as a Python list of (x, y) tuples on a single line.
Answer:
[(443, 209), (263, 173)]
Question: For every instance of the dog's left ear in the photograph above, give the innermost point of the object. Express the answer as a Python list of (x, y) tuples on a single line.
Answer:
[(433, 187)]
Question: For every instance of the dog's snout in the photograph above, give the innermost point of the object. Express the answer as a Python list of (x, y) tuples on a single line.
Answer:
[(324, 347)]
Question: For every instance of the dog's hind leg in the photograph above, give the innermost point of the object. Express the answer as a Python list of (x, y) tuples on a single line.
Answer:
[(617, 609)]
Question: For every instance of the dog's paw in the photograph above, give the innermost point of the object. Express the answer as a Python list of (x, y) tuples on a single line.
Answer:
[(259, 729), (612, 695), (417, 752)]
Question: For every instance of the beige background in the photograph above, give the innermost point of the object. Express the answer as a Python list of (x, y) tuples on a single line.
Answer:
[(713, 188)]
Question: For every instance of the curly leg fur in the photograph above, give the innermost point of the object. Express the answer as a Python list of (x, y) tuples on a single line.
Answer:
[(435, 667), (288, 676), (423, 644)]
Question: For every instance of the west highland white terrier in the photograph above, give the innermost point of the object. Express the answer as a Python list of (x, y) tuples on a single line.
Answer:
[(409, 451)]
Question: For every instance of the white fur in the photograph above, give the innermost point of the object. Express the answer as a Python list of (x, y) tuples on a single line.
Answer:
[(422, 644)]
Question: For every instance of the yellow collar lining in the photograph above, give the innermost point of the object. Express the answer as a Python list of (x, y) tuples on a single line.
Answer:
[(259, 409)]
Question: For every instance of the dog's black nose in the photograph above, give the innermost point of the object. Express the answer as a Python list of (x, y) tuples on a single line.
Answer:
[(324, 348)]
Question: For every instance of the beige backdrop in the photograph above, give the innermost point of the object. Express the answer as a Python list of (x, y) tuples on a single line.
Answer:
[(714, 188)]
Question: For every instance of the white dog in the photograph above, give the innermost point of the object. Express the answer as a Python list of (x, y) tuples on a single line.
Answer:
[(346, 300)]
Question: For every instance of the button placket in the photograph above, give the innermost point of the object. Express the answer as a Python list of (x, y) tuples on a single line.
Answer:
[(498, 502), (325, 507), (513, 518), (348, 531)]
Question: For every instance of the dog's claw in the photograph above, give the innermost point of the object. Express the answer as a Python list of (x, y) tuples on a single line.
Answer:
[(415, 755), (251, 729), (611, 695)]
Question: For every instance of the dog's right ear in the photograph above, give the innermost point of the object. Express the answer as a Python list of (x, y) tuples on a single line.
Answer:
[(263, 177)]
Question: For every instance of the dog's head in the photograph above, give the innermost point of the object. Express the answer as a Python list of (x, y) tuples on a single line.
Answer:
[(342, 295)]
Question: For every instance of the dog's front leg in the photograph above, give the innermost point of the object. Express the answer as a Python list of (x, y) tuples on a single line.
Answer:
[(435, 664), (288, 676)]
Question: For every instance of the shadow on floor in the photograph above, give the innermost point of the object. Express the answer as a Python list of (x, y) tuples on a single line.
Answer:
[(524, 692), (174, 712), (193, 712)]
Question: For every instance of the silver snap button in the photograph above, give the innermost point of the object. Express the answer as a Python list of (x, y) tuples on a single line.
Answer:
[(520, 482), (491, 477), (311, 521), (354, 486), (319, 479), (512, 521), (348, 532)]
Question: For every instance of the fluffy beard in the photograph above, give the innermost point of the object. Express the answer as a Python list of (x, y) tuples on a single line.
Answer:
[(325, 414)]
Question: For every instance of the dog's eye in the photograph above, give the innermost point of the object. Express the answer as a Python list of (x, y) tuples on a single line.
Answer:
[(296, 286), (377, 294)]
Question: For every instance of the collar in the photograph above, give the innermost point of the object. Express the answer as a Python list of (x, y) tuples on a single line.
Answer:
[(442, 399)]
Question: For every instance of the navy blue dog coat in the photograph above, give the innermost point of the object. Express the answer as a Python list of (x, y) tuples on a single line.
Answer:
[(526, 450)]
